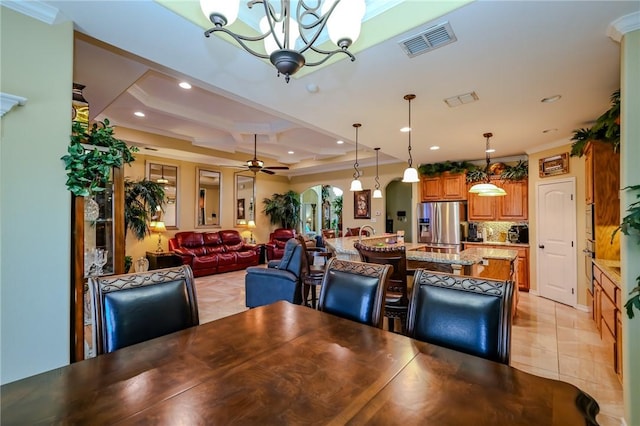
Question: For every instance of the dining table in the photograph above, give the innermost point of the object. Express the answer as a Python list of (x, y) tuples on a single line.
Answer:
[(289, 364)]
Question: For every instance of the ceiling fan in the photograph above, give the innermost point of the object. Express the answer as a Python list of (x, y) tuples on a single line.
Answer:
[(256, 165)]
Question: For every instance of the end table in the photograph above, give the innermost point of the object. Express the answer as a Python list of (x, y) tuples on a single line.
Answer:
[(160, 260)]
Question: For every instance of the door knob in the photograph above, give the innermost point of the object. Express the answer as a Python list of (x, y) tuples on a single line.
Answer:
[(541, 246)]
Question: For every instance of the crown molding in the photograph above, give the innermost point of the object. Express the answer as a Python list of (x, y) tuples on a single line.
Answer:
[(34, 9), (625, 24), (8, 101)]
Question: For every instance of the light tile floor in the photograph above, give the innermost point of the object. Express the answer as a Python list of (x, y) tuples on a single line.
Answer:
[(548, 339)]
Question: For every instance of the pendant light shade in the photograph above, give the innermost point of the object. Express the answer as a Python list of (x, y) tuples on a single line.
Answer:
[(376, 192), (410, 173), (356, 185), (487, 189)]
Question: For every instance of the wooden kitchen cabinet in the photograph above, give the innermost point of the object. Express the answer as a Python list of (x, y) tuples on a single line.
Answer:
[(512, 207), (446, 187), (515, 205), (607, 314)]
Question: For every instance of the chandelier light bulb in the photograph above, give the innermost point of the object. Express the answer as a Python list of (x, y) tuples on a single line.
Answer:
[(344, 25), (220, 12)]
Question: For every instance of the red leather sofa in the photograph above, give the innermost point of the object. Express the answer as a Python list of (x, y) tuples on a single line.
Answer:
[(214, 252)]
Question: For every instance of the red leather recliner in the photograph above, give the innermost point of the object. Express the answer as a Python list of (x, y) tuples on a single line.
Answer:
[(277, 240)]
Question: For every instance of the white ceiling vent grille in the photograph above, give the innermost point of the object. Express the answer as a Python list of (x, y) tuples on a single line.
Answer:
[(430, 39)]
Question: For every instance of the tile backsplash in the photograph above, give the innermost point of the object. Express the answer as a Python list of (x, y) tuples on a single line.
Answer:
[(496, 231)]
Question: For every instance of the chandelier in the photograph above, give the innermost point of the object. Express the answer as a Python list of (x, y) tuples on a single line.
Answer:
[(487, 189), (286, 39)]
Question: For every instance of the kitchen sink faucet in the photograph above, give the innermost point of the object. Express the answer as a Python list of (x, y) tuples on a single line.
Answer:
[(373, 231)]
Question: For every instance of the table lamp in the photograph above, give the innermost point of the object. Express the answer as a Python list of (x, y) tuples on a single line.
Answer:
[(251, 225), (159, 228)]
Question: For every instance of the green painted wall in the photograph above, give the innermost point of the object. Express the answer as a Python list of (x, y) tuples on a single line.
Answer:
[(36, 63), (630, 250)]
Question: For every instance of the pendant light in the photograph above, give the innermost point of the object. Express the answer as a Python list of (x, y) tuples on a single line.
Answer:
[(356, 185), (162, 180), (410, 173), (487, 189), (376, 192)]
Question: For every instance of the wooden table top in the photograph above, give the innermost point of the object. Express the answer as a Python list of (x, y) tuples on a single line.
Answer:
[(289, 364)]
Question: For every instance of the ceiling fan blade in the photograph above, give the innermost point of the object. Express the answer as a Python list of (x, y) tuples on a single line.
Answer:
[(278, 168), (269, 172)]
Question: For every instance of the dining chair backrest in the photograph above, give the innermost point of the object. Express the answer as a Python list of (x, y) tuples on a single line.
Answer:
[(131, 308), (467, 314), (354, 290), (396, 256)]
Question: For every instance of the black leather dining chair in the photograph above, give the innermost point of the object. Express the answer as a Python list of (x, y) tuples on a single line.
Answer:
[(354, 290), (132, 308), (396, 300), (467, 314)]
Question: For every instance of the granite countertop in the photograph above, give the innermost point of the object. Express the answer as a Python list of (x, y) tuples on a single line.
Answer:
[(472, 256), (611, 269), (495, 243)]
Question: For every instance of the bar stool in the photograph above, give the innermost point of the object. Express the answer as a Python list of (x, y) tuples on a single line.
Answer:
[(314, 272)]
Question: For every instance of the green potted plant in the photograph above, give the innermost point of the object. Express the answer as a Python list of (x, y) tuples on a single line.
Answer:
[(337, 208), (630, 226), (142, 199), (519, 171), (91, 155), (436, 169), (606, 129), (283, 209)]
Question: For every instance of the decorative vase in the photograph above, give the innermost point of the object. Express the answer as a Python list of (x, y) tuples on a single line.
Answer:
[(91, 209), (141, 265)]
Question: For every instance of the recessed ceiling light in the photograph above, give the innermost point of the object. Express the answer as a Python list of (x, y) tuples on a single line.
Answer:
[(551, 99), (405, 129), (139, 114), (185, 85), (550, 130), (490, 150), (434, 148), (339, 142), (290, 152)]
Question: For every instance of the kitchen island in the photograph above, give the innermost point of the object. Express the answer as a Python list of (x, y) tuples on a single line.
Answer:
[(477, 261), (493, 263)]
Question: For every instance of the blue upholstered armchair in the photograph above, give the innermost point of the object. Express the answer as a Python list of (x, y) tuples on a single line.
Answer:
[(281, 280)]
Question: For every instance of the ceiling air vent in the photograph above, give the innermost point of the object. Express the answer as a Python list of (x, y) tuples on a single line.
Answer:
[(430, 39)]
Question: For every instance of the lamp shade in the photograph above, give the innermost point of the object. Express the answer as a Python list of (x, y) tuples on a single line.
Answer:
[(345, 21), (159, 228), (224, 8), (251, 224), (356, 185), (377, 193), (498, 192), (410, 175)]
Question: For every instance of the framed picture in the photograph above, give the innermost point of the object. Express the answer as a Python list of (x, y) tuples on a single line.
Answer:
[(362, 204), (240, 214), (556, 165)]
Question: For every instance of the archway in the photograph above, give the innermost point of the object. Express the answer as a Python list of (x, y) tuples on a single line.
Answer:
[(321, 208)]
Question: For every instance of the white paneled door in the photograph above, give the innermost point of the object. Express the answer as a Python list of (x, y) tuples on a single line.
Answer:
[(556, 235)]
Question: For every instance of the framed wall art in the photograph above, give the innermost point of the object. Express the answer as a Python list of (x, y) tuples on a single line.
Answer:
[(362, 204), (555, 165)]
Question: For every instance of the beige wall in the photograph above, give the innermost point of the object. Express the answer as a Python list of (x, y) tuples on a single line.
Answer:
[(576, 169), (266, 185), (35, 206), (342, 179)]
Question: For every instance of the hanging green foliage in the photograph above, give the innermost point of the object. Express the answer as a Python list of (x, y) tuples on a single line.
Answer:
[(437, 169)]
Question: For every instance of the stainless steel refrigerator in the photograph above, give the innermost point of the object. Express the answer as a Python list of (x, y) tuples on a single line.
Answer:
[(440, 225)]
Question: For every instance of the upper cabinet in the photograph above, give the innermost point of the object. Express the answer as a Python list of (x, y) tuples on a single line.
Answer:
[(447, 186), (512, 207)]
